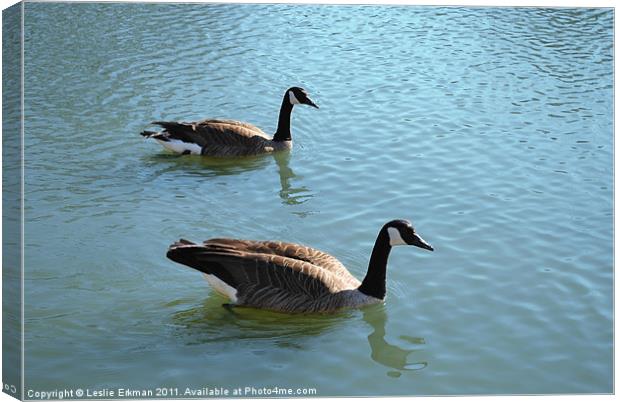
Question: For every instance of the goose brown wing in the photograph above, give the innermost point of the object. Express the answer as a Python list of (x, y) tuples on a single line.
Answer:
[(293, 251), (242, 124), (261, 279), (211, 132)]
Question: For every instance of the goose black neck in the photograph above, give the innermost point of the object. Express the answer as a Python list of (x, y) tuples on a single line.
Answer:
[(283, 133), (374, 282)]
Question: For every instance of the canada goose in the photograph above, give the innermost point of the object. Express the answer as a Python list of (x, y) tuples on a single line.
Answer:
[(289, 277), (222, 138)]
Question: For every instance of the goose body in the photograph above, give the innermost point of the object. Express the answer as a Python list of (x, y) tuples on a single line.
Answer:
[(226, 138), (289, 277)]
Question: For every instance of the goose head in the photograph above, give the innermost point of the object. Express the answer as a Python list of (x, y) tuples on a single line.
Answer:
[(400, 232), (299, 96)]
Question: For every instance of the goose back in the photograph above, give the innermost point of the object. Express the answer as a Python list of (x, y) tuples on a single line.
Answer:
[(290, 250), (221, 137), (274, 275)]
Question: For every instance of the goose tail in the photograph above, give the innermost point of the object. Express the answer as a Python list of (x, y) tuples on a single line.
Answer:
[(181, 243), (172, 126), (187, 253), (184, 252), (148, 134)]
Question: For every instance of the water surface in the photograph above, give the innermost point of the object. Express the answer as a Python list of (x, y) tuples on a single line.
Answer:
[(490, 128)]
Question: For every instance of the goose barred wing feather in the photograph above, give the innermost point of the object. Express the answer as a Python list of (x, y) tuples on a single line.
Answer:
[(242, 124), (216, 136), (294, 251), (264, 280)]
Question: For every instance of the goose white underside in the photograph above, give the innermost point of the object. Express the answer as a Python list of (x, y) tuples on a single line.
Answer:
[(222, 287), (180, 147)]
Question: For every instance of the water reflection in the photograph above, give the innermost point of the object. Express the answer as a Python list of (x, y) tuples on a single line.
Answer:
[(211, 323), (385, 353), (290, 195), (164, 163)]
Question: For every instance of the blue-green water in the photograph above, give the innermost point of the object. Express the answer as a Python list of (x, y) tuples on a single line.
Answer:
[(490, 128)]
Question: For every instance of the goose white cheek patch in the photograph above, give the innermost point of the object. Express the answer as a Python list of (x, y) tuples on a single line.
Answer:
[(293, 99), (395, 238)]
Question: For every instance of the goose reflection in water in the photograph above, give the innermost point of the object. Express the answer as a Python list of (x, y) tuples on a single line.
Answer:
[(385, 353), (216, 167), (211, 323), (290, 195)]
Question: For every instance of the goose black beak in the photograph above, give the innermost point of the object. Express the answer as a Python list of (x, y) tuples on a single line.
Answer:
[(417, 241), (310, 102)]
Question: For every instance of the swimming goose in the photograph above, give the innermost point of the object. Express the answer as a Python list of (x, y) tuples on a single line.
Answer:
[(289, 277), (213, 137)]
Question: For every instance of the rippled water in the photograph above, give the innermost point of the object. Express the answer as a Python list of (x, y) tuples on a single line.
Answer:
[(490, 128)]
